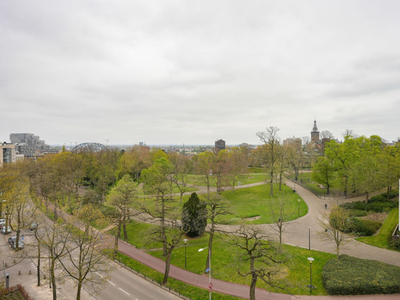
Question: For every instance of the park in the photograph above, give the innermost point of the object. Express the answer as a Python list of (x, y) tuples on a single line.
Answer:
[(272, 220)]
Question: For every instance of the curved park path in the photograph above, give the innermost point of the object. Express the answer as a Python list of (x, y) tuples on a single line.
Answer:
[(297, 233)]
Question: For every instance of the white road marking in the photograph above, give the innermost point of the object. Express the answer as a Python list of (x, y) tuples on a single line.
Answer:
[(111, 282), (124, 291), (99, 274)]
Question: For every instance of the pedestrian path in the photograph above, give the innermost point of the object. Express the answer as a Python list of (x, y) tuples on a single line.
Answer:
[(303, 232)]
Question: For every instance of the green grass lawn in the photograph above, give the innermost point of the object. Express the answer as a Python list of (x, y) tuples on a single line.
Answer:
[(305, 179), (255, 202), (247, 178), (382, 239), (224, 262)]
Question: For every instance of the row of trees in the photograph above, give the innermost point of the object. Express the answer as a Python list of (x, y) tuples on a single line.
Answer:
[(358, 165), (64, 249)]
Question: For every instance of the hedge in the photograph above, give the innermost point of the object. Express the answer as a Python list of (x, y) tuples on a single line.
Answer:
[(363, 227), (378, 203), (375, 206), (353, 276)]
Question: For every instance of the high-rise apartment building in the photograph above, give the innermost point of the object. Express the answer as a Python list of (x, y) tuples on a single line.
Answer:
[(7, 153), (28, 144)]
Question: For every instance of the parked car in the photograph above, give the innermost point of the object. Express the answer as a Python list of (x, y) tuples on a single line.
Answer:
[(20, 244), (34, 226), (2, 221), (11, 239), (3, 230)]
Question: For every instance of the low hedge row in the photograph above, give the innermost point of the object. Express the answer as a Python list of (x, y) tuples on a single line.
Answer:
[(379, 203), (363, 227), (384, 197), (353, 276), (374, 206)]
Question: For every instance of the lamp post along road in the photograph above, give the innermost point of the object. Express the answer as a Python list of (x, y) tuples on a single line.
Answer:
[(6, 228), (185, 240), (298, 208), (209, 270), (310, 259)]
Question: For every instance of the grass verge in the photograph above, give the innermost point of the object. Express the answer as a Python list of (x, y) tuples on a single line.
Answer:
[(225, 261), (382, 239)]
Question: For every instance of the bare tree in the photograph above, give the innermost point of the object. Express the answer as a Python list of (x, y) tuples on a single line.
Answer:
[(182, 166), (334, 224), (238, 164), (217, 208), (122, 197), (83, 252), (271, 144), (170, 235), (280, 212), (157, 180), (263, 257), (54, 241), (204, 165)]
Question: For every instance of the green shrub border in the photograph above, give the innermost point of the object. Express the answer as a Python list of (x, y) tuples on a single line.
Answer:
[(353, 276)]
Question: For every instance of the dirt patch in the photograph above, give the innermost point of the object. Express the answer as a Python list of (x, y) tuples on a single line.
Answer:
[(252, 218), (380, 217)]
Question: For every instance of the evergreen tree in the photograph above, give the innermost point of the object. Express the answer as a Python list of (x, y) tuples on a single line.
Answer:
[(194, 216)]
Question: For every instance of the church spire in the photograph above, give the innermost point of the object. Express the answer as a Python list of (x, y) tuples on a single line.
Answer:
[(315, 128), (315, 133)]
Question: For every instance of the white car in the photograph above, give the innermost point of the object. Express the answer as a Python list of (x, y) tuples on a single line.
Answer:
[(3, 229)]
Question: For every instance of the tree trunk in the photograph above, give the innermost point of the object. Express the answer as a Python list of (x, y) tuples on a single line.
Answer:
[(210, 243), (78, 292), (55, 210), (167, 265), (272, 183), (38, 267), (70, 204), (117, 238), (337, 250), (124, 226), (253, 287), (53, 281)]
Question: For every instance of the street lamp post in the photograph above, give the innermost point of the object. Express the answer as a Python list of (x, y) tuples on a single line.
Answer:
[(6, 228), (185, 240), (310, 259), (309, 238), (298, 208), (209, 269)]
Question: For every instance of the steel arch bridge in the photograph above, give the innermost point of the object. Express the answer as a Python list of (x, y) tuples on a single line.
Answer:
[(89, 147)]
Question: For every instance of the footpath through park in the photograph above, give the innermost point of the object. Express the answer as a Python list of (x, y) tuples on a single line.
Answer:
[(303, 232)]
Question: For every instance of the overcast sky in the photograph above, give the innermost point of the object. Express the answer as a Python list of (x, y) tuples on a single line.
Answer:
[(192, 72)]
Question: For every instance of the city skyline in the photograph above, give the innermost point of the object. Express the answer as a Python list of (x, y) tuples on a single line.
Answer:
[(190, 73)]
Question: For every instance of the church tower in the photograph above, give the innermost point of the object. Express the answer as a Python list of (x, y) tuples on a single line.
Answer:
[(315, 133)]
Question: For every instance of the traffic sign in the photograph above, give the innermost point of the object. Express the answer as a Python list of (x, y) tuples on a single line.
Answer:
[(210, 286)]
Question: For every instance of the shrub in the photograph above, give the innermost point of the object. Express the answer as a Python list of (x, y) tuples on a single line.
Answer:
[(353, 276), (375, 206), (378, 198), (363, 227), (357, 213)]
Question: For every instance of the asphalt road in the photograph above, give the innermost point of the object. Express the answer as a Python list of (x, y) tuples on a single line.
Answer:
[(123, 284)]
